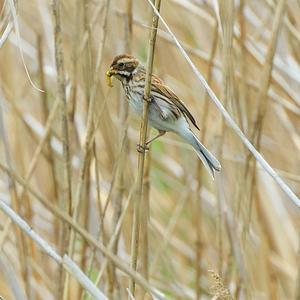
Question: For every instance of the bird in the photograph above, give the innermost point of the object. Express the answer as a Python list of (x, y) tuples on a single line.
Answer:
[(167, 113)]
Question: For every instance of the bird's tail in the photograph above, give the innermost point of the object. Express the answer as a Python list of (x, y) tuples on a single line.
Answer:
[(209, 161)]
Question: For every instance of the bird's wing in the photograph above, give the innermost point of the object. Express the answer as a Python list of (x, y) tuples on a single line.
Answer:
[(176, 106)]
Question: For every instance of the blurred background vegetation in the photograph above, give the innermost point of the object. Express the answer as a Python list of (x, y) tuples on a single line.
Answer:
[(74, 144)]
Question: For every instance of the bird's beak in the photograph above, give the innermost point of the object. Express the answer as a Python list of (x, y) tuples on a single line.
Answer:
[(109, 74)]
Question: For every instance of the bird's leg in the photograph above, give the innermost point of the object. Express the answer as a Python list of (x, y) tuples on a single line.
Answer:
[(142, 149), (160, 133)]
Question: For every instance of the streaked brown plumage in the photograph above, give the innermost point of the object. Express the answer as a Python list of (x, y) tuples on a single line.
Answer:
[(166, 111)]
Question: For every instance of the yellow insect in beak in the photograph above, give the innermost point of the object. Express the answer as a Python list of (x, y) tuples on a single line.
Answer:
[(108, 78)]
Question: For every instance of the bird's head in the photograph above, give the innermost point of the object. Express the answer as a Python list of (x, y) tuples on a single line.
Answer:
[(122, 67)]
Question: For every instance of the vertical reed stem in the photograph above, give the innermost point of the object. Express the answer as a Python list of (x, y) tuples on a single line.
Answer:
[(141, 155), (227, 19), (66, 201), (199, 175)]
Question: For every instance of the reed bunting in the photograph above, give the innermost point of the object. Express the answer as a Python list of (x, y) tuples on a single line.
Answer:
[(166, 111)]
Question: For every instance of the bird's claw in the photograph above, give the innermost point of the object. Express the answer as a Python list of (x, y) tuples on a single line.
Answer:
[(149, 99), (141, 149)]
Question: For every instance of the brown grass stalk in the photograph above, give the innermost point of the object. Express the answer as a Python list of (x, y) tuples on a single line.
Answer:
[(84, 165), (141, 155), (145, 211), (199, 243), (45, 114), (88, 72), (227, 19), (242, 95), (118, 187), (66, 201), (262, 99)]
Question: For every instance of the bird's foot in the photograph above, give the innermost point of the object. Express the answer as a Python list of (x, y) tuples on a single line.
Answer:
[(149, 99), (141, 149)]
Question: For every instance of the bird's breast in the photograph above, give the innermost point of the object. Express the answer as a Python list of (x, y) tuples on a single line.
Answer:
[(135, 98)]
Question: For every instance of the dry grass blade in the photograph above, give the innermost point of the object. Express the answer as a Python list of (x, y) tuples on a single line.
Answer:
[(5, 34), (142, 143), (66, 203), (226, 16), (118, 187), (262, 99), (16, 25)]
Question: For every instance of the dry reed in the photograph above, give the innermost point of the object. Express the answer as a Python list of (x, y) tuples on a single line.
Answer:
[(69, 165)]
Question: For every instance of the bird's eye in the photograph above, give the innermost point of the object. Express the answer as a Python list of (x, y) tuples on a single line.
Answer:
[(121, 64)]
